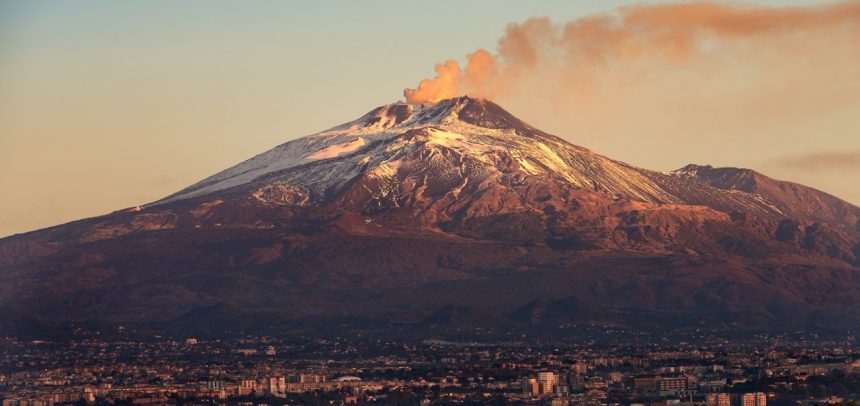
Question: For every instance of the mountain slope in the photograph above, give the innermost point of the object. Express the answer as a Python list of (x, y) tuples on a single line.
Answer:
[(793, 200), (477, 132), (435, 217)]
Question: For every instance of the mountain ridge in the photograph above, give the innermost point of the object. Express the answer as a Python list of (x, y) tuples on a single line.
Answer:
[(422, 215)]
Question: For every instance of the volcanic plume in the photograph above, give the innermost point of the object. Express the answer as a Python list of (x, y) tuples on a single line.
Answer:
[(662, 85), (667, 34)]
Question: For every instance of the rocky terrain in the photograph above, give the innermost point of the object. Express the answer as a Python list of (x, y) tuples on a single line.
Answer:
[(440, 218)]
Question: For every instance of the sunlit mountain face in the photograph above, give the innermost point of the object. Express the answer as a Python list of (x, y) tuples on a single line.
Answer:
[(453, 217)]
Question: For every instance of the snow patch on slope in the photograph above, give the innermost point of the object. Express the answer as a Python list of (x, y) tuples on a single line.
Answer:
[(378, 143), (337, 149)]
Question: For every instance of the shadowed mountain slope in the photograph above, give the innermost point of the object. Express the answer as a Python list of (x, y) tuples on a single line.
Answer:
[(438, 219)]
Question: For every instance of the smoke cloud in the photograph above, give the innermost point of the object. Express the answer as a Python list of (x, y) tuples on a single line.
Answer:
[(662, 86), (575, 56)]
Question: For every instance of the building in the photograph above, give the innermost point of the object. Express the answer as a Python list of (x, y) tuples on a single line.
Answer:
[(277, 385), (247, 387), (754, 399), (672, 385), (645, 383), (311, 378), (719, 399), (350, 400), (559, 402), (576, 382), (87, 395), (530, 386), (547, 381)]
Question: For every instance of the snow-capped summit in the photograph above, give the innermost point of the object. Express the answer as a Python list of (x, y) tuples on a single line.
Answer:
[(450, 146), (322, 163), (477, 112)]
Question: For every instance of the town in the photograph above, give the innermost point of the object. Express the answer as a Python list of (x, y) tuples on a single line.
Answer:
[(269, 371)]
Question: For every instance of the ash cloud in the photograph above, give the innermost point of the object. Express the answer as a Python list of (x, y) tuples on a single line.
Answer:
[(637, 42)]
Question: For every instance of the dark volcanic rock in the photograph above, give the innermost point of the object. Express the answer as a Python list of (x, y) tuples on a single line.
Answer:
[(454, 218)]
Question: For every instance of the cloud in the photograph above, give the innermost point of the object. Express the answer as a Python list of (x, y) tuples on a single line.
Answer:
[(669, 33), (821, 162), (574, 62), (451, 81)]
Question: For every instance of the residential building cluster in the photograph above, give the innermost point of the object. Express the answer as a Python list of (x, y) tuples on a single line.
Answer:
[(265, 370)]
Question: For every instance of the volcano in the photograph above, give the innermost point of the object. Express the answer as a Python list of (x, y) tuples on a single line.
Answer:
[(453, 217)]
